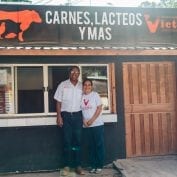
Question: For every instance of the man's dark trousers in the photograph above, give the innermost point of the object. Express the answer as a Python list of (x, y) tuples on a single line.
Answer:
[(72, 130)]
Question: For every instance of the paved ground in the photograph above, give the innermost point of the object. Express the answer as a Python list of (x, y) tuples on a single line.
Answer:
[(158, 166), (108, 171)]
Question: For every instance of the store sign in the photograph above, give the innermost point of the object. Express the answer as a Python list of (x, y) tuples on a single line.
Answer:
[(87, 26)]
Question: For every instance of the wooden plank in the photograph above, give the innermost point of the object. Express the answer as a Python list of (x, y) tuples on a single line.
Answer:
[(166, 86), (134, 84), (164, 134), (151, 133), (112, 87), (142, 133), (146, 135), (156, 134), (149, 85), (126, 85), (172, 84), (169, 131), (144, 84), (130, 82), (162, 83), (157, 83), (86, 52), (128, 135), (174, 132), (160, 132), (133, 139), (153, 84), (138, 135), (145, 108)]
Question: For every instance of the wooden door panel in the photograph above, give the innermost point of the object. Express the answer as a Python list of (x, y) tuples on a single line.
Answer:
[(149, 102), (150, 134)]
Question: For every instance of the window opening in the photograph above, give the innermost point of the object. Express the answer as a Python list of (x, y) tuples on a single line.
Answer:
[(30, 89), (56, 74), (99, 76)]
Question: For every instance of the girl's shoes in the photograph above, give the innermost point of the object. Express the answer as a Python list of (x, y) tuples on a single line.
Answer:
[(97, 171), (92, 170)]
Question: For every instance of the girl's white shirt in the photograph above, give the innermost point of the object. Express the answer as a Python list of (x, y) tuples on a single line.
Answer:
[(89, 104)]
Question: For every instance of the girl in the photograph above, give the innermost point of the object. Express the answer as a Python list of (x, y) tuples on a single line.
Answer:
[(93, 123)]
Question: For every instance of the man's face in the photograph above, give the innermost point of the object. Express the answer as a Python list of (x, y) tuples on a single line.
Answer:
[(74, 74)]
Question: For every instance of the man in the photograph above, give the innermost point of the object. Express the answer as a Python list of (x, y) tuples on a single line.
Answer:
[(69, 117)]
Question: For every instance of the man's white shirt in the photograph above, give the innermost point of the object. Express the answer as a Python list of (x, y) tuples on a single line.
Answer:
[(69, 96)]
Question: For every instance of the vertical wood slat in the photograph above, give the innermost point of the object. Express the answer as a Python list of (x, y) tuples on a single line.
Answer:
[(156, 135), (112, 87), (153, 83), (157, 83), (174, 133), (147, 134), (134, 84), (125, 84), (137, 134), (151, 133), (164, 134), (162, 83), (169, 132), (130, 81), (145, 83), (160, 132), (150, 85), (142, 133), (128, 135), (167, 96), (133, 139)]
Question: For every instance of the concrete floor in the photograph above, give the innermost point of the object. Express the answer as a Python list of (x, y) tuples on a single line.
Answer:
[(155, 166), (108, 171)]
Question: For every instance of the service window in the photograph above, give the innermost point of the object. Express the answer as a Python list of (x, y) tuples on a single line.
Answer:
[(29, 89)]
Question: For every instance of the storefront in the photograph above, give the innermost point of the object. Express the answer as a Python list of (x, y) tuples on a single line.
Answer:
[(129, 53)]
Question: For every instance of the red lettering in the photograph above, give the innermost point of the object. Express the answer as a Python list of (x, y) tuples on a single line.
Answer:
[(152, 26)]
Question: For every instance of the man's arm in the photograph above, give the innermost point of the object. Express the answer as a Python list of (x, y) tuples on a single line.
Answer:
[(59, 118)]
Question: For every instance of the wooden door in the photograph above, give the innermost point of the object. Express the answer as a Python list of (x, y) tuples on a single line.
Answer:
[(150, 103)]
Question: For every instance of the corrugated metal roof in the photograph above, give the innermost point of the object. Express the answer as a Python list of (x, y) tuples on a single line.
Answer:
[(87, 48)]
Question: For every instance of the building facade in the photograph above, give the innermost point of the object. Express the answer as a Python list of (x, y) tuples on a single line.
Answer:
[(129, 53)]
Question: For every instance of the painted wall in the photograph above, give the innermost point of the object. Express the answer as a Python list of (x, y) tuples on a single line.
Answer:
[(40, 148)]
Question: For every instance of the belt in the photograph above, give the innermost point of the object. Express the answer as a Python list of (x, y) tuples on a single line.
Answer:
[(71, 113)]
